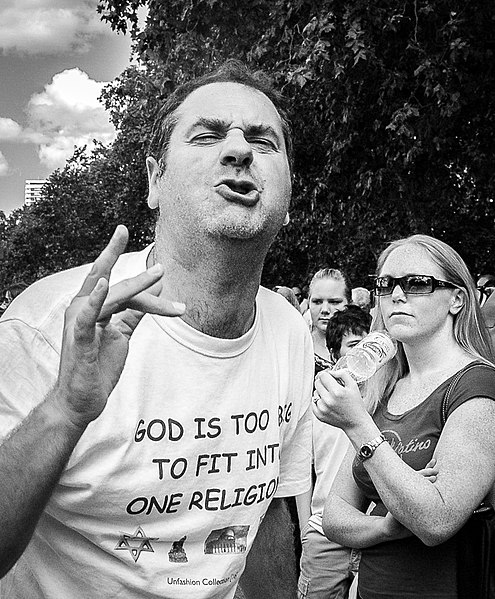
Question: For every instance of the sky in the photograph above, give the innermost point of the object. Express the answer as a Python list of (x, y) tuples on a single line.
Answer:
[(55, 57)]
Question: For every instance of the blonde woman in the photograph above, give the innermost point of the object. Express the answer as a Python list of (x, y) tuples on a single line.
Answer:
[(383, 500), (329, 291)]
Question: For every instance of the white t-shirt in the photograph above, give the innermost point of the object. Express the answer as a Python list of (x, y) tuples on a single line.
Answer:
[(164, 492), (330, 445)]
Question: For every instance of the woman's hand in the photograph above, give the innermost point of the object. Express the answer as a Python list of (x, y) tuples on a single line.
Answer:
[(392, 527), (430, 471), (337, 399)]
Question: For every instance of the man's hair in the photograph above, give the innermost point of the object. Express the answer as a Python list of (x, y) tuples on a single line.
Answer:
[(231, 71), (289, 295), (352, 319), (361, 297)]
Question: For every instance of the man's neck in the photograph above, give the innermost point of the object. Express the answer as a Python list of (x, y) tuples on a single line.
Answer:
[(218, 289)]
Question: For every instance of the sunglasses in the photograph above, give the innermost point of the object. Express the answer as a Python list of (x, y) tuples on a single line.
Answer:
[(411, 284)]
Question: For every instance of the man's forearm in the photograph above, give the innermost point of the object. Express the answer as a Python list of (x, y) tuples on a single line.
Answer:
[(271, 564), (32, 458)]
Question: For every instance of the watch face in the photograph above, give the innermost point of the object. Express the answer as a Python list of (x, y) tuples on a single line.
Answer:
[(366, 451)]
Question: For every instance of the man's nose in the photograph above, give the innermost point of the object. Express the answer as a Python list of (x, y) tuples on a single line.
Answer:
[(236, 150)]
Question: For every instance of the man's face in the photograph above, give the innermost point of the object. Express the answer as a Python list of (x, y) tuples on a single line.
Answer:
[(297, 293), (227, 172), (485, 287)]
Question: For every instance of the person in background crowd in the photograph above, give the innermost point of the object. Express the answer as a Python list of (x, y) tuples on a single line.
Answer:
[(304, 302), (10, 293), (425, 465), (361, 297), (345, 330), (327, 568), (289, 295), (298, 293), (485, 287), (149, 456), (329, 291)]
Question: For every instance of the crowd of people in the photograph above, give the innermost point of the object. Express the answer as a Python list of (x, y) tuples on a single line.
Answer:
[(158, 408)]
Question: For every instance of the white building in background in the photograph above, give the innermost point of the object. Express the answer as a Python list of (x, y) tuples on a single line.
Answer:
[(32, 190)]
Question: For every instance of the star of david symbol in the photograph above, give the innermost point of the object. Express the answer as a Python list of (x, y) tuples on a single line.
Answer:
[(135, 543)]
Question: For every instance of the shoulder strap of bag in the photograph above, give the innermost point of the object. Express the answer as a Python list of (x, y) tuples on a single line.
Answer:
[(452, 386)]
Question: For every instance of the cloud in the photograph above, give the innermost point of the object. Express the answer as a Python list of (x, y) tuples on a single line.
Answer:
[(4, 167), (49, 26), (9, 130), (65, 115)]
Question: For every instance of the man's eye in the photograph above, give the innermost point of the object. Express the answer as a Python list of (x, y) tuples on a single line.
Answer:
[(209, 137), (262, 143)]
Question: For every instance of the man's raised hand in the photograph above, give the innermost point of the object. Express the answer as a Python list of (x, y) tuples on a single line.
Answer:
[(98, 325)]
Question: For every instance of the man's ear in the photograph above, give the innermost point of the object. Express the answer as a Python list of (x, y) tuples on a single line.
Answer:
[(153, 170), (457, 301)]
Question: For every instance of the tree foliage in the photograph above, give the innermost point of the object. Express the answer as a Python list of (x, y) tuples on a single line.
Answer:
[(393, 113), (70, 224)]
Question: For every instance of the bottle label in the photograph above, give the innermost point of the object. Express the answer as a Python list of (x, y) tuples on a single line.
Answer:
[(379, 345)]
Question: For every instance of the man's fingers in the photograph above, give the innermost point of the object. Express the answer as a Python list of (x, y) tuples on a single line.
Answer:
[(103, 265), (145, 302), (88, 314), (131, 294)]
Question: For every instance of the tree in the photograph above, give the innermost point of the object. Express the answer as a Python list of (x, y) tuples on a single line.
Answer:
[(393, 114), (72, 222)]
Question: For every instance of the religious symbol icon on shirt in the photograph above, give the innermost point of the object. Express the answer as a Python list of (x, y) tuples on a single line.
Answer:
[(177, 553), (232, 539), (135, 544)]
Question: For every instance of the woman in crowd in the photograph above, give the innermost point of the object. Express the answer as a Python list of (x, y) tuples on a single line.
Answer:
[(329, 291), (404, 522)]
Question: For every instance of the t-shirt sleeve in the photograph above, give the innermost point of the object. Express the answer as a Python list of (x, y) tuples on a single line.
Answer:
[(28, 365), (296, 454), (479, 381)]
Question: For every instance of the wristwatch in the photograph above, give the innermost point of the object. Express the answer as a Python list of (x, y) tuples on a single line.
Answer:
[(368, 449)]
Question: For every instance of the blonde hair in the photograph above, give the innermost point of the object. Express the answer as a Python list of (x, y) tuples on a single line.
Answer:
[(332, 273), (469, 329)]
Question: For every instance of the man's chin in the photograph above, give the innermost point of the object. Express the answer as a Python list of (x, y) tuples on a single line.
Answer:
[(245, 230)]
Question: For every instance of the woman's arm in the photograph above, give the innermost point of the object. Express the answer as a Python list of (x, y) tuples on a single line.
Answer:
[(345, 520), (466, 474), (433, 512)]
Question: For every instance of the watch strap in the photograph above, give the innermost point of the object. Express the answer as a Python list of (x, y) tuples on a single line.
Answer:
[(368, 449)]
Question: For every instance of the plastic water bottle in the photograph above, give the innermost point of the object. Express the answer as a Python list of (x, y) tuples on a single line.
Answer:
[(370, 354)]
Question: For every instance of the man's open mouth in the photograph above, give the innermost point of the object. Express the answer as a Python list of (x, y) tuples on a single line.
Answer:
[(240, 191)]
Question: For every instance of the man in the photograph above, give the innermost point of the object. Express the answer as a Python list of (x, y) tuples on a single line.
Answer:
[(361, 297), (485, 286), (298, 293), (345, 330), (146, 450)]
